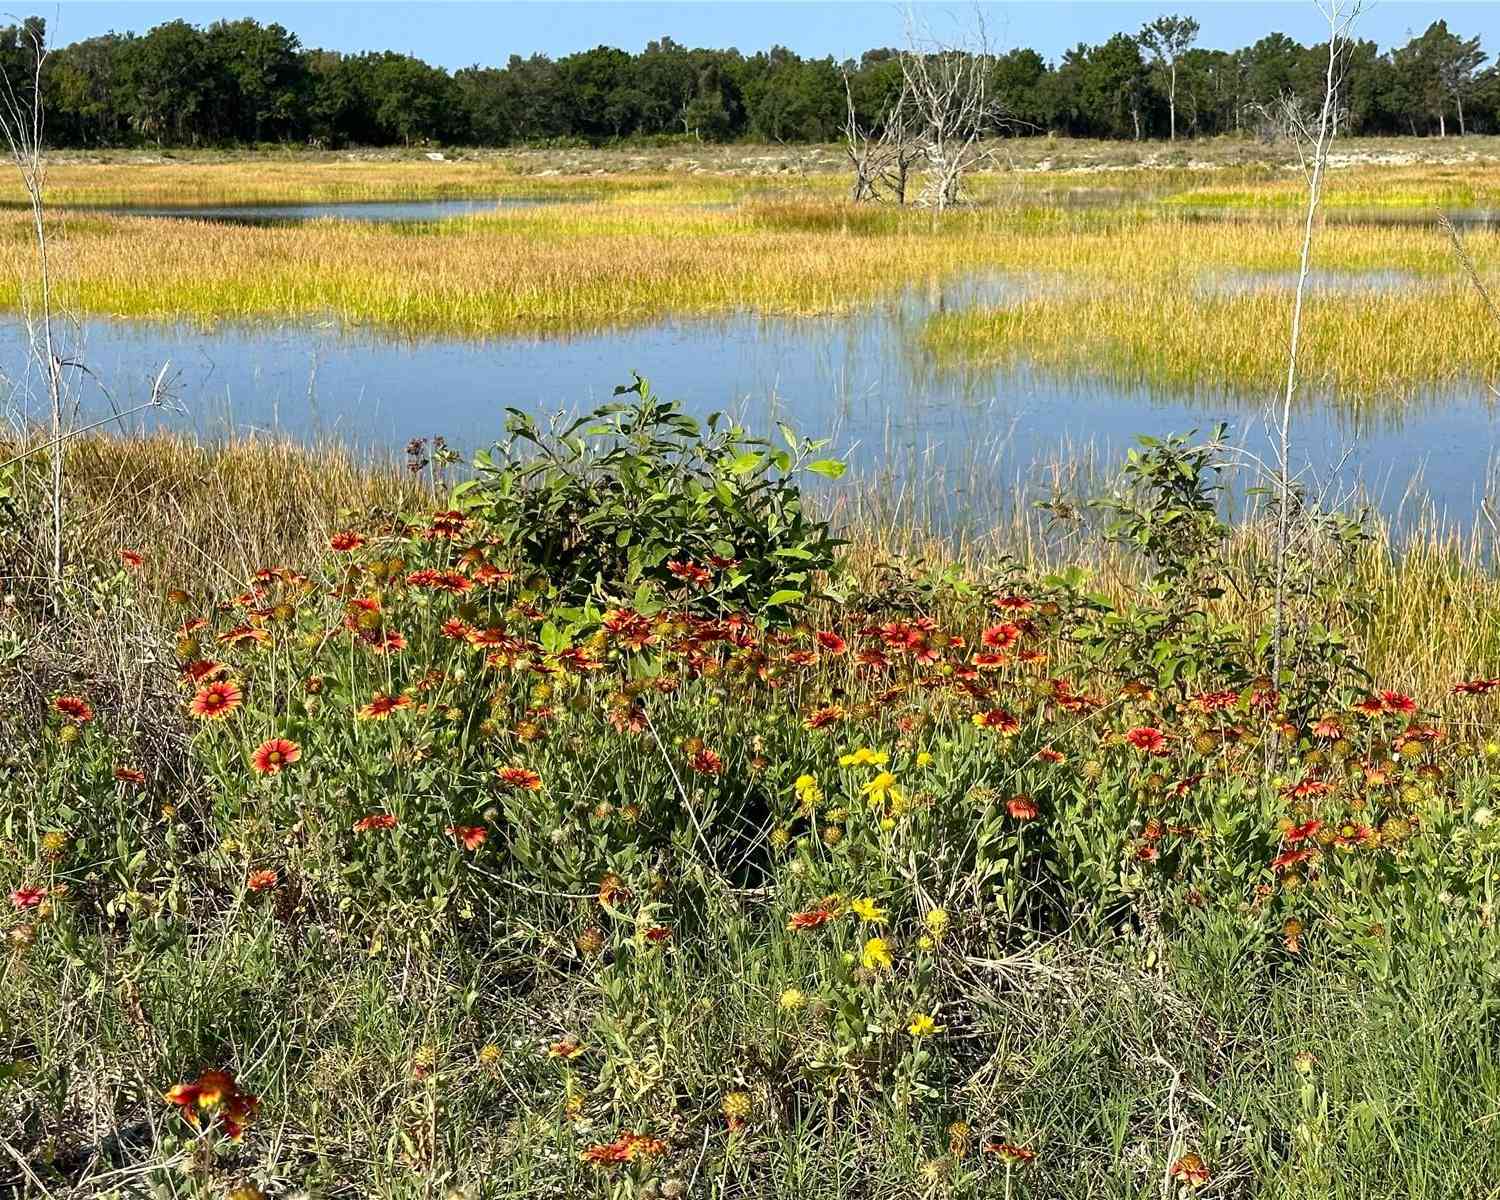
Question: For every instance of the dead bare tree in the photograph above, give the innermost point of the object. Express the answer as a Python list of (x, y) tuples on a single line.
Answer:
[(862, 144), (1312, 145), (949, 90), (22, 123), (883, 152)]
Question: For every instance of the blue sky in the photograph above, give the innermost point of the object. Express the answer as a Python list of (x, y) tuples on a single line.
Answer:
[(455, 34)]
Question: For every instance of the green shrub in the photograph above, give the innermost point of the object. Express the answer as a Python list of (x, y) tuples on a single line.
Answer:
[(639, 493)]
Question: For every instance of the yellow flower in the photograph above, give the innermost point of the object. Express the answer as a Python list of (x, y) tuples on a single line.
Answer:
[(883, 789), (937, 922), (922, 1025), (924, 759), (864, 757), (737, 1105), (867, 910), (792, 999), (809, 795), (877, 955)]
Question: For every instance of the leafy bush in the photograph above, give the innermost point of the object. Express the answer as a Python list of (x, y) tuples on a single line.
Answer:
[(676, 887), (638, 493)]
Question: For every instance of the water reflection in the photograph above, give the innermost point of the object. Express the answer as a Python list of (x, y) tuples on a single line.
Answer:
[(385, 211), (862, 379)]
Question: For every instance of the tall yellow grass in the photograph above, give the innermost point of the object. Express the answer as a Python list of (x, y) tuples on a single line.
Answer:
[(210, 514)]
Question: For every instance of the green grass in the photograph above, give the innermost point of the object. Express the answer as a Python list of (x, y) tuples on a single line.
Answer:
[(1128, 290), (391, 998)]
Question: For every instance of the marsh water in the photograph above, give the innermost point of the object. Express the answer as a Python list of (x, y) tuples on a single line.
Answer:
[(383, 211), (959, 439)]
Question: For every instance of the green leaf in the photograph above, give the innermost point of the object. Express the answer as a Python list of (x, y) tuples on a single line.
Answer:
[(833, 468)]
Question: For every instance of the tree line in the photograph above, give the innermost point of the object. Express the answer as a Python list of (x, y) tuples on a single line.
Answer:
[(243, 82)]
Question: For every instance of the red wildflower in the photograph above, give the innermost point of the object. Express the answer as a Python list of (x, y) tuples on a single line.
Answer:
[(577, 659), (1290, 858), (1015, 604), (447, 524), (1048, 755), (565, 1049), (1328, 729), (241, 634), (707, 762), (214, 1091), (1396, 702), (1301, 833), (520, 777), (630, 627), (200, 669), (1476, 687), (1371, 706), (375, 821), (470, 837), (130, 775), (215, 701), (1022, 808), (823, 717), (384, 641), (626, 1148), (998, 719), (131, 558), (1148, 739), (441, 581), (346, 540), (28, 897), (1209, 702), (75, 708), (1001, 637), (658, 933), (1190, 1170), (690, 573), (381, 706), (831, 642), (811, 919), (260, 881), (1011, 1153), (274, 755)]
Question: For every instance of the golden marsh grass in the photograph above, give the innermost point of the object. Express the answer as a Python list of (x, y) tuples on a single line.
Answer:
[(1136, 295), (1133, 290), (226, 508)]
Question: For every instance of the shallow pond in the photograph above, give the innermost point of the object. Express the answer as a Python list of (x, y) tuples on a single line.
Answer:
[(962, 439), (387, 211)]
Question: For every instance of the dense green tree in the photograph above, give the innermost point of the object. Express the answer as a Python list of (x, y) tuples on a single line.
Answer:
[(171, 83), (409, 100), (268, 76), (1105, 88), (793, 99), (1016, 82), (241, 81), (603, 98), (1167, 39), (85, 92)]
